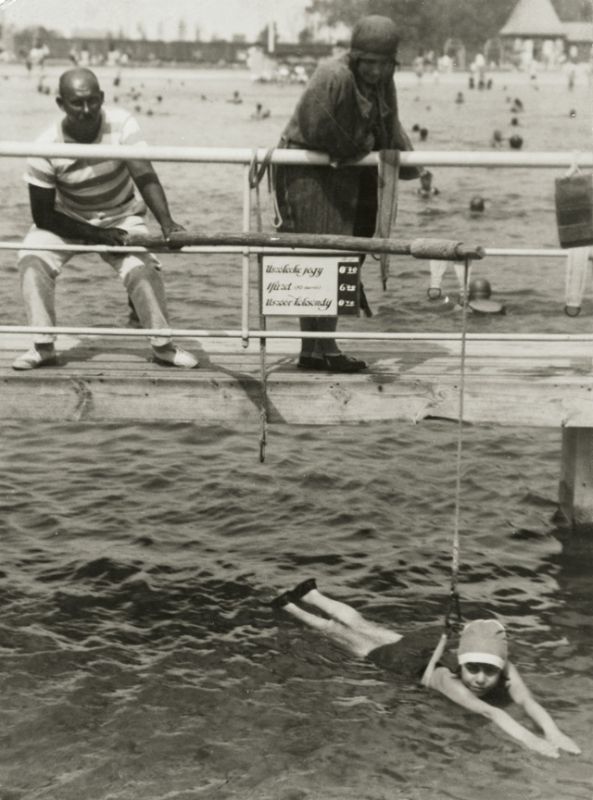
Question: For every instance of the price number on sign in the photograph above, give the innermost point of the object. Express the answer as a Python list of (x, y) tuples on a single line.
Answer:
[(348, 288)]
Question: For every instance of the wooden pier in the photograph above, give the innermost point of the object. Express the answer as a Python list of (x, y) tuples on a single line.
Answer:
[(509, 383)]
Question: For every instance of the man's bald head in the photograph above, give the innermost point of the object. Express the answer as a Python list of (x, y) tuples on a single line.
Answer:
[(78, 78), (80, 98)]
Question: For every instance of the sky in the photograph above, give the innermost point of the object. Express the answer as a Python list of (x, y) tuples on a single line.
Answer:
[(160, 18)]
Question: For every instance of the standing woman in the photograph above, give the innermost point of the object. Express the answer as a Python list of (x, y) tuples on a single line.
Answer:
[(348, 109)]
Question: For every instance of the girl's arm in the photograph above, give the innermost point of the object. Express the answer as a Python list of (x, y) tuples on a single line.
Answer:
[(448, 684), (434, 660), (523, 697)]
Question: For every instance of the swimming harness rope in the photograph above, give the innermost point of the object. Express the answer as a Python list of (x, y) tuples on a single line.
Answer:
[(453, 605)]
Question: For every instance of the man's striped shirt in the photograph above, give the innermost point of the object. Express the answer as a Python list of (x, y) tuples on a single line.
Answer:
[(91, 189)]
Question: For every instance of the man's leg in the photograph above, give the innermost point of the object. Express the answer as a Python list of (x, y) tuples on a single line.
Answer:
[(141, 276), (144, 285), (38, 284), (146, 291), (38, 272)]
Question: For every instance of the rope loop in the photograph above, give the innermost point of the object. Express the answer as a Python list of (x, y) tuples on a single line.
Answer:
[(256, 173)]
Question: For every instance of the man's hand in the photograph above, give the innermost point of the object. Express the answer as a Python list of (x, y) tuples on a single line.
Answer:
[(115, 237), (169, 228)]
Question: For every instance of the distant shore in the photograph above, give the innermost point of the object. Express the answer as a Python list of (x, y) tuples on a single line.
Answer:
[(405, 77)]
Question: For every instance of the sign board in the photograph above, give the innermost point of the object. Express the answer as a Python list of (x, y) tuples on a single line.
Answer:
[(310, 286)]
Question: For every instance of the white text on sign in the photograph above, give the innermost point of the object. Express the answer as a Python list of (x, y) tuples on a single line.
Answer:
[(310, 285)]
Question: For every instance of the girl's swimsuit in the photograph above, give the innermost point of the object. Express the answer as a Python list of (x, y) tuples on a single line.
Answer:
[(409, 657)]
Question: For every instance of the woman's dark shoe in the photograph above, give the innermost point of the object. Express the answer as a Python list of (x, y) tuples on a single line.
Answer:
[(332, 362), (301, 589), (340, 362), (311, 362)]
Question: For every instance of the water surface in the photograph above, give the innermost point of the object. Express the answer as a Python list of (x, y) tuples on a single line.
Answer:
[(138, 653)]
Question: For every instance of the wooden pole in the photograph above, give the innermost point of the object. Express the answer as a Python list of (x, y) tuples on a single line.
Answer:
[(575, 493), (438, 249), (523, 252)]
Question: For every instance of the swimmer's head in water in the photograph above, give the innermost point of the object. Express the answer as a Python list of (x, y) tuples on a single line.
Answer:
[(516, 142), (479, 289), (483, 641), (476, 204), (426, 179)]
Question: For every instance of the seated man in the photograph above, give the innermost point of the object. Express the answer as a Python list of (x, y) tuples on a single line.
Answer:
[(79, 201)]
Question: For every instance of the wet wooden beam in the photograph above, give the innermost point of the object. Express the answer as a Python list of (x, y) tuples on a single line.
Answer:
[(107, 379)]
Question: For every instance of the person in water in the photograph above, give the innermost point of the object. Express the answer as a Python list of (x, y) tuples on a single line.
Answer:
[(426, 189), (479, 677), (478, 299)]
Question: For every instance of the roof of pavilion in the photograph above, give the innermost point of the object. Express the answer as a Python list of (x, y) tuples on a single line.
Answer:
[(534, 18)]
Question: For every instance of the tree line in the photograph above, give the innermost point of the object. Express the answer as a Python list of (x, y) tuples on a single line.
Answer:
[(426, 24)]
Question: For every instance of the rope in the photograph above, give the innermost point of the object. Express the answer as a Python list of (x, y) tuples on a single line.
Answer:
[(453, 605), (255, 176), (263, 413)]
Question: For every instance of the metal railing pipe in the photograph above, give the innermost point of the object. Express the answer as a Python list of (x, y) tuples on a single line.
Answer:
[(237, 333), (244, 155)]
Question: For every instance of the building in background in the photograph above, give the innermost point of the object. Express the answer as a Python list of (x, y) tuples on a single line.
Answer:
[(535, 33)]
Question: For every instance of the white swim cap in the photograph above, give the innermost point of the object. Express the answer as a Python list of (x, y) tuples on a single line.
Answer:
[(483, 641)]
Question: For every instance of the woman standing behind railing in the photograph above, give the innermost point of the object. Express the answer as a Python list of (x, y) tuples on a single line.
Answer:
[(348, 109)]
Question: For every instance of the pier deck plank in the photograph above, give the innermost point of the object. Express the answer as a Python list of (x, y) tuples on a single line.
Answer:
[(107, 379)]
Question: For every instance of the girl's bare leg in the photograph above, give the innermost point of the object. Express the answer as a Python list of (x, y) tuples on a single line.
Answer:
[(351, 618), (355, 640)]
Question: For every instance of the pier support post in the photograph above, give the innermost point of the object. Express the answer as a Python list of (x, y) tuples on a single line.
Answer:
[(576, 475)]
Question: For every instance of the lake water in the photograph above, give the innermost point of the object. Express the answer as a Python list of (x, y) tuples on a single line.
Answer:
[(139, 657)]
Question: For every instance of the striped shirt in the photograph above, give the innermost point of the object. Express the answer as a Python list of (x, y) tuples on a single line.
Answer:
[(91, 189)]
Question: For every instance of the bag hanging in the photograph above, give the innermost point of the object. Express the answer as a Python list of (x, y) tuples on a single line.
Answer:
[(574, 209)]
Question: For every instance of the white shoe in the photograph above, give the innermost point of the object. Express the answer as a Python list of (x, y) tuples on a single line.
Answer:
[(173, 356), (34, 358)]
